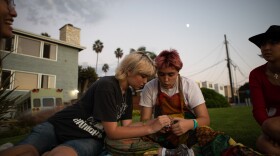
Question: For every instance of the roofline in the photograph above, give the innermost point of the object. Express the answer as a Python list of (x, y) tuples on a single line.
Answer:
[(19, 31)]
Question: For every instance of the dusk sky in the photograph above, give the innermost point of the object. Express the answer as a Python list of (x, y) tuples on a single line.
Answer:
[(195, 28)]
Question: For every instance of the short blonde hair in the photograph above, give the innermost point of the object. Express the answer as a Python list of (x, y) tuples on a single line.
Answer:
[(137, 63)]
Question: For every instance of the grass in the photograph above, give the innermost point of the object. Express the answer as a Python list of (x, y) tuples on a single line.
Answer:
[(237, 122)]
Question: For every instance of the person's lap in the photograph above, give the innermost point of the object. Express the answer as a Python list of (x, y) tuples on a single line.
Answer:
[(43, 138)]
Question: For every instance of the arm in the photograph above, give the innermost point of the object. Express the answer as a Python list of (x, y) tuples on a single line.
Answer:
[(114, 131), (197, 103), (146, 113), (256, 94), (183, 125), (147, 101)]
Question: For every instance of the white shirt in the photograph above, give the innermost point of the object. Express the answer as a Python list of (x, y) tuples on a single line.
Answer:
[(191, 92)]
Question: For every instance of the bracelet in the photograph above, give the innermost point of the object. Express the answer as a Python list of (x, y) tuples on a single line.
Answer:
[(195, 124)]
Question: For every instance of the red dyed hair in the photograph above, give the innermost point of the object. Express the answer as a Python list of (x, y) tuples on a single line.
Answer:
[(169, 58)]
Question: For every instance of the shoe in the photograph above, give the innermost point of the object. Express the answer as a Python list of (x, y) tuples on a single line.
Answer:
[(182, 150)]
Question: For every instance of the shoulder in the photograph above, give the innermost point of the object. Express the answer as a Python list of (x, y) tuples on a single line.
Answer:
[(107, 81), (258, 72), (152, 84), (187, 81)]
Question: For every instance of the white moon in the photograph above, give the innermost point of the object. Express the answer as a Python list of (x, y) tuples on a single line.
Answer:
[(187, 25)]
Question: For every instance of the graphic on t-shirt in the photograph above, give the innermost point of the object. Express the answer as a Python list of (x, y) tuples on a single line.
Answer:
[(91, 126), (121, 109)]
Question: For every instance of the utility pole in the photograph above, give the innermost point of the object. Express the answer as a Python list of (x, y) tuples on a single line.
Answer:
[(229, 69)]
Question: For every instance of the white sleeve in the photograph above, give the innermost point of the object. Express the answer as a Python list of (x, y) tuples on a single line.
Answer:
[(193, 94), (149, 93)]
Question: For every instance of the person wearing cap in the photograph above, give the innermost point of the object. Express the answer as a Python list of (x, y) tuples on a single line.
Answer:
[(264, 82)]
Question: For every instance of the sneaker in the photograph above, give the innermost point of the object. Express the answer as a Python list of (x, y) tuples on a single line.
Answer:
[(182, 150)]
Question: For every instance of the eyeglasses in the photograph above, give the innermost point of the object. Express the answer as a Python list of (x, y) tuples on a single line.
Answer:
[(145, 55), (11, 4)]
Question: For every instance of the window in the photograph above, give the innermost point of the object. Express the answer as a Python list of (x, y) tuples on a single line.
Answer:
[(49, 51), (47, 81), (6, 79), (28, 46), (8, 44), (26, 81), (48, 102), (221, 88), (210, 85), (36, 103), (58, 101)]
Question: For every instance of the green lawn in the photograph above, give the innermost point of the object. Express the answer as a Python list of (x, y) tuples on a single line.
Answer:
[(238, 122), (234, 121)]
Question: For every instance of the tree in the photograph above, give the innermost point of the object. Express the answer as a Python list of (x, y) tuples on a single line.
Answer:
[(244, 92), (7, 100), (97, 47), (105, 68), (214, 99), (151, 54), (45, 34), (86, 76), (119, 53)]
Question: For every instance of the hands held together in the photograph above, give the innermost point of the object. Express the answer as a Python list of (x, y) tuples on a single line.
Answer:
[(166, 123)]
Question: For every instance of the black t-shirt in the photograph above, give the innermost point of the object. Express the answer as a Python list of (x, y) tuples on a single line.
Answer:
[(103, 101)]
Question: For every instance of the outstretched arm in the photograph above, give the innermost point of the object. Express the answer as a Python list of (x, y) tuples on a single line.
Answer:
[(114, 131)]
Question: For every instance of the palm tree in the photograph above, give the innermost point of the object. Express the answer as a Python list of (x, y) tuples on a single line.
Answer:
[(151, 54), (97, 47), (86, 76), (142, 49), (119, 53), (105, 68)]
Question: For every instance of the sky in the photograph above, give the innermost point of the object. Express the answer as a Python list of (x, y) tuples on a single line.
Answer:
[(195, 28)]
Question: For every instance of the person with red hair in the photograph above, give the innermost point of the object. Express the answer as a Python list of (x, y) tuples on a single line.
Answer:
[(174, 95)]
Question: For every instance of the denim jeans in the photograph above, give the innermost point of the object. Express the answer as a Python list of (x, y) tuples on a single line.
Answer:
[(43, 138)]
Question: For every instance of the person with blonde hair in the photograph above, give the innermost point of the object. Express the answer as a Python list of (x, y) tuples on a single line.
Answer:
[(80, 129)]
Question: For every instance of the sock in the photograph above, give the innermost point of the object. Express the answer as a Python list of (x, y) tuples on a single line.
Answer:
[(163, 151)]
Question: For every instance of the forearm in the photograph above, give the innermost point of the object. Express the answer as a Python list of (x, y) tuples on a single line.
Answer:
[(122, 132), (203, 121)]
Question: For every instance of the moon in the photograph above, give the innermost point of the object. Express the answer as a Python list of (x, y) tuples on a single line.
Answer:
[(187, 25)]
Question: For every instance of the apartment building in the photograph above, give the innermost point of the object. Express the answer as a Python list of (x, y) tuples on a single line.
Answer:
[(37, 61)]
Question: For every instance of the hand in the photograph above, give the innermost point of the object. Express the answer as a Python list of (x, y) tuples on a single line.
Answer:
[(160, 122), (181, 126)]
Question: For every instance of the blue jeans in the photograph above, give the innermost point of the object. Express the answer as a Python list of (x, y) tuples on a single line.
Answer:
[(43, 138)]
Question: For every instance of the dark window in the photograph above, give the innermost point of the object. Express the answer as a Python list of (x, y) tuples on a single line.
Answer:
[(5, 78), (47, 50), (45, 80), (8, 44), (58, 101), (36, 103), (48, 102)]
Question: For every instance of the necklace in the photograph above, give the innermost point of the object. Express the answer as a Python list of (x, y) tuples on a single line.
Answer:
[(276, 76), (123, 98), (273, 73)]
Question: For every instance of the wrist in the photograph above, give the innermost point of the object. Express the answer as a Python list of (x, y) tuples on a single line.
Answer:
[(195, 124)]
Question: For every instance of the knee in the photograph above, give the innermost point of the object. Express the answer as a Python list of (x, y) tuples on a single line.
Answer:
[(269, 126), (62, 151)]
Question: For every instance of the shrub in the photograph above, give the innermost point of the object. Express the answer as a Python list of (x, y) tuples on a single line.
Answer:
[(214, 99)]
